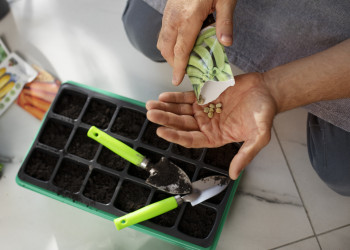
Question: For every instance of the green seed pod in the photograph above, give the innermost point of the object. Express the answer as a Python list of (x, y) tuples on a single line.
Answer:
[(205, 34), (217, 51), (205, 56)]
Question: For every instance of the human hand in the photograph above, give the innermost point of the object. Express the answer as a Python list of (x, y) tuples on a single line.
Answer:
[(182, 21), (248, 110)]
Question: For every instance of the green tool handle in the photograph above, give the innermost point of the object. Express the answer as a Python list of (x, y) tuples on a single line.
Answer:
[(116, 146), (146, 213)]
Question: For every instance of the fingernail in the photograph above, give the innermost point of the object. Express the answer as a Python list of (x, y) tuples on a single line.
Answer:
[(226, 38)]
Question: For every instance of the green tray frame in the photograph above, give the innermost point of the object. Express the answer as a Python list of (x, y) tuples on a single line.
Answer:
[(111, 217)]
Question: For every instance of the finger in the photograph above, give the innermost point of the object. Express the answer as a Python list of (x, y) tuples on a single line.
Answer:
[(183, 122), (178, 97), (179, 109), (246, 154), (166, 40), (224, 21), (186, 38), (188, 139)]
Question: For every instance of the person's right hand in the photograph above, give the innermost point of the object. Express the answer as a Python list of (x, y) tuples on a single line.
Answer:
[(182, 21), (247, 115)]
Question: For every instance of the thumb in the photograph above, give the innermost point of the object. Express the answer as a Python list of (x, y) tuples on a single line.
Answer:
[(246, 154), (224, 21)]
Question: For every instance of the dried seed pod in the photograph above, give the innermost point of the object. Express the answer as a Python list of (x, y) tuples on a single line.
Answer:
[(219, 105), (218, 110), (211, 105), (210, 114), (206, 110)]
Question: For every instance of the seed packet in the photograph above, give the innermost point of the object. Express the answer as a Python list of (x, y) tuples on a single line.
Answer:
[(37, 96), (208, 67), (4, 52), (14, 73)]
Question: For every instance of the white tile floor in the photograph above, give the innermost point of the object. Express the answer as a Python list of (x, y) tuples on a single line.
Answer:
[(281, 203)]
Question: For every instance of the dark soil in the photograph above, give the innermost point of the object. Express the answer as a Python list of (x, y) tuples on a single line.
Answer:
[(55, 134), (99, 113), (221, 157), (41, 165), (100, 187), (168, 177), (197, 221), (131, 197), (151, 138), (206, 173), (168, 219), (70, 175), (111, 160), (82, 145), (128, 123), (185, 166), (70, 104), (193, 153)]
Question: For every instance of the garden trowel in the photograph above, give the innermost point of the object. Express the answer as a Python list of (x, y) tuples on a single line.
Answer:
[(202, 190), (164, 175)]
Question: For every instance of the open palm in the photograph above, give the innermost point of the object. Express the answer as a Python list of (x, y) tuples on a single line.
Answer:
[(248, 110)]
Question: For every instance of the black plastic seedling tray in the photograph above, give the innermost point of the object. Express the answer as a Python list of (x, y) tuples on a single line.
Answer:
[(63, 163)]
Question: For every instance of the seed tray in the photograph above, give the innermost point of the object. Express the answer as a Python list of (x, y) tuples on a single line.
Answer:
[(64, 164)]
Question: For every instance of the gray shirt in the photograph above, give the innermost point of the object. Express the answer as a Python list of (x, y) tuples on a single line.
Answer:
[(269, 33)]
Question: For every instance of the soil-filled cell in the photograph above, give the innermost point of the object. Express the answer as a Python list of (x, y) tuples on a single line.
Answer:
[(100, 187), (167, 219), (185, 166), (151, 138), (99, 113), (128, 123), (41, 165), (70, 175), (206, 173), (111, 160), (55, 134), (131, 196), (82, 145), (197, 221), (139, 172), (70, 104), (192, 153), (221, 157)]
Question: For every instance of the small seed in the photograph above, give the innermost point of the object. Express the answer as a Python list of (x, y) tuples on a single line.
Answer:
[(218, 110), (211, 109), (219, 105), (210, 114), (200, 100), (211, 105), (206, 110)]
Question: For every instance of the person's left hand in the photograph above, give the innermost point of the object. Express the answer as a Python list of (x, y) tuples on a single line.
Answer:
[(248, 110)]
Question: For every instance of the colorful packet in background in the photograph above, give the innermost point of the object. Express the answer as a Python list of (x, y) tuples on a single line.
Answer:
[(208, 68), (14, 73), (37, 96)]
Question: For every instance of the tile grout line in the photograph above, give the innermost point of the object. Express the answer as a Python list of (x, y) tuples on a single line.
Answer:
[(296, 186), (293, 242), (334, 229)]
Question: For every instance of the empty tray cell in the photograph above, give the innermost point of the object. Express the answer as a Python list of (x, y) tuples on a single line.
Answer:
[(197, 221), (131, 196), (70, 104), (168, 219), (70, 175), (139, 172), (111, 160), (192, 153), (205, 173), (100, 186), (99, 113), (128, 123), (221, 157), (55, 134), (82, 145), (41, 165), (185, 166), (151, 138)]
